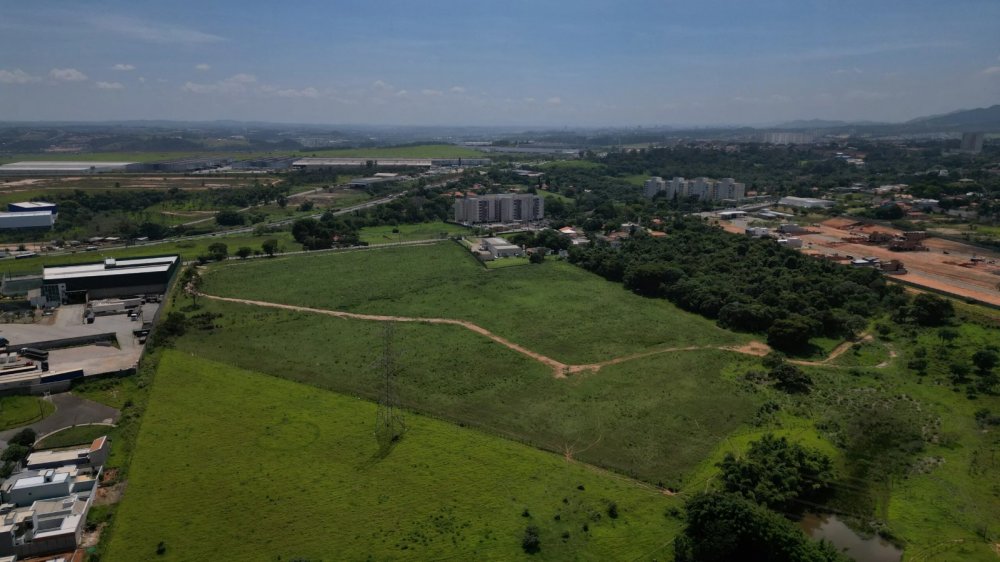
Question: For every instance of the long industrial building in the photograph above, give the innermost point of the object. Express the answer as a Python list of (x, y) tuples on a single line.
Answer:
[(363, 162), (499, 208), (705, 189), (27, 219), (66, 168), (109, 278)]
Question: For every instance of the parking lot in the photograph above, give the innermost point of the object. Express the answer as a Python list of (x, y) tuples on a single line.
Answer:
[(68, 322)]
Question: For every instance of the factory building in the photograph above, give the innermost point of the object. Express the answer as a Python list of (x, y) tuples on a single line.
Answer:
[(375, 162), (27, 219), (499, 208), (66, 168), (806, 203), (109, 278), (29, 206)]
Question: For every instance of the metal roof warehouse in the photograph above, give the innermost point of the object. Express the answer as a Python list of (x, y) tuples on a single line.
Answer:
[(110, 278)]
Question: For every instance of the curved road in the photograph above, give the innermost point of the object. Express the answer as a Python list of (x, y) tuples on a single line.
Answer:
[(70, 410)]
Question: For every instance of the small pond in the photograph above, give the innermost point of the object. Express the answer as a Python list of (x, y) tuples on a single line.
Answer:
[(861, 549)]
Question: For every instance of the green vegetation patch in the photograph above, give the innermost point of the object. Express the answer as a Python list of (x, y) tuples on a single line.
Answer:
[(409, 232), (231, 464), (16, 411), (76, 435), (553, 308), (653, 418)]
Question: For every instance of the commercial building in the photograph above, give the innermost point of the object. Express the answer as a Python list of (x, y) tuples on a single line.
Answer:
[(499, 208), (27, 219), (66, 168), (108, 278), (972, 143), (32, 206), (806, 203), (500, 248), (704, 189), (92, 455), (376, 162)]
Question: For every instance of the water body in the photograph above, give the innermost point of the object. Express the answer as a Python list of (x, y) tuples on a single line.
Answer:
[(861, 549)]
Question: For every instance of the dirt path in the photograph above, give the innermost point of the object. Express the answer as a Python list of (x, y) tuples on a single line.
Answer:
[(837, 352), (559, 369)]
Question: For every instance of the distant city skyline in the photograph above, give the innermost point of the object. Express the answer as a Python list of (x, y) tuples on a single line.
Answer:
[(516, 63)]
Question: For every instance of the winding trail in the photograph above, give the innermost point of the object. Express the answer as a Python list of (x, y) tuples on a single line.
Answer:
[(559, 369)]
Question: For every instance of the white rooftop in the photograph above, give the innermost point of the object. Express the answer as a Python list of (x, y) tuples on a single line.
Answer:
[(62, 165), (33, 204), (27, 214), (60, 456), (118, 267), (32, 481)]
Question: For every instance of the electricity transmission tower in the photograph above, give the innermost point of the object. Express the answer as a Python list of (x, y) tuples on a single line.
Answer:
[(389, 423)]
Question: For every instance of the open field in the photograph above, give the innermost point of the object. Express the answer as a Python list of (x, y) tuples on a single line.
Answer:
[(188, 249), (408, 232), (554, 308), (650, 417), (311, 482), (18, 410)]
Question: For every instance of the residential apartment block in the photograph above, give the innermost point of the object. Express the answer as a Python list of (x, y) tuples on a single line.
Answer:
[(499, 208), (704, 189)]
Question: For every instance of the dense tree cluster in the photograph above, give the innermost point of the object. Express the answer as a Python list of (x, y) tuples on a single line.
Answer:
[(745, 284), (722, 526), (777, 474)]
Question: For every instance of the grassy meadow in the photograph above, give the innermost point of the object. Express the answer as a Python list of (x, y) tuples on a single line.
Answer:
[(409, 232), (231, 464), (652, 418), (553, 308), (19, 410)]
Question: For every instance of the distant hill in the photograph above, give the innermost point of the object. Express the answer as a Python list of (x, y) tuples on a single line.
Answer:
[(986, 119)]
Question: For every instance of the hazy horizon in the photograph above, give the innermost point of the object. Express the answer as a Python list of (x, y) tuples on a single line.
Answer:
[(519, 64)]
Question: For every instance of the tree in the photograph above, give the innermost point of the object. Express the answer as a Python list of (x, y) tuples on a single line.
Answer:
[(985, 360), (789, 334), (722, 526), (536, 257), (282, 201), (244, 252), (931, 310), (229, 218), (25, 437), (530, 542), (218, 250), (791, 379), (270, 247), (777, 473)]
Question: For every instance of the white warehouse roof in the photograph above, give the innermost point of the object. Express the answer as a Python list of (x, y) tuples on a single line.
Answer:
[(61, 166), (117, 267)]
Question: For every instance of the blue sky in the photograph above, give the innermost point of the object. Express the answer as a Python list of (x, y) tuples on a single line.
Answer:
[(517, 62)]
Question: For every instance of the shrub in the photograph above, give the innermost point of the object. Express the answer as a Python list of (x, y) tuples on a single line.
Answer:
[(531, 543)]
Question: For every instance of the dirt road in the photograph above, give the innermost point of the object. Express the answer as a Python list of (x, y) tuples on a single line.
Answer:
[(559, 369)]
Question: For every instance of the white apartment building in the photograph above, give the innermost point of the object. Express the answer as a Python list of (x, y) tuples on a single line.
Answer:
[(705, 189), (499, 208)]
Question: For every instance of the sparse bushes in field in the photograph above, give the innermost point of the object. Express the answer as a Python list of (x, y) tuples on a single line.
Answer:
[(531, 542)]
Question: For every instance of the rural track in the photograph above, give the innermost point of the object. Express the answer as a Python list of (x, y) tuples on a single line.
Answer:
[(559, 369)]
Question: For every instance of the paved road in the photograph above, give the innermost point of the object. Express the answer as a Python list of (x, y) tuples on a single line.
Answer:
[(70, 410)]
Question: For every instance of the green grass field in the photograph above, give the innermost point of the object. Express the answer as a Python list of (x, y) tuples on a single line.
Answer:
[(188, 250), (77, 435), (16, 411), (231, 464), (651, 418), (408, 232), (554, 308)]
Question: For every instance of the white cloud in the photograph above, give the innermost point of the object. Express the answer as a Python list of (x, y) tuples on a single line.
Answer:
[(554, 100), (401, 93), (457, 90), (202, 67), (381, 85), (123, 67), (235, 84), (529, 100), (152, 32), (991, 70), (110, 85), (429, 92), (67, 74), (16, 76), (312, 93), (854, 70), (141, 79)]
